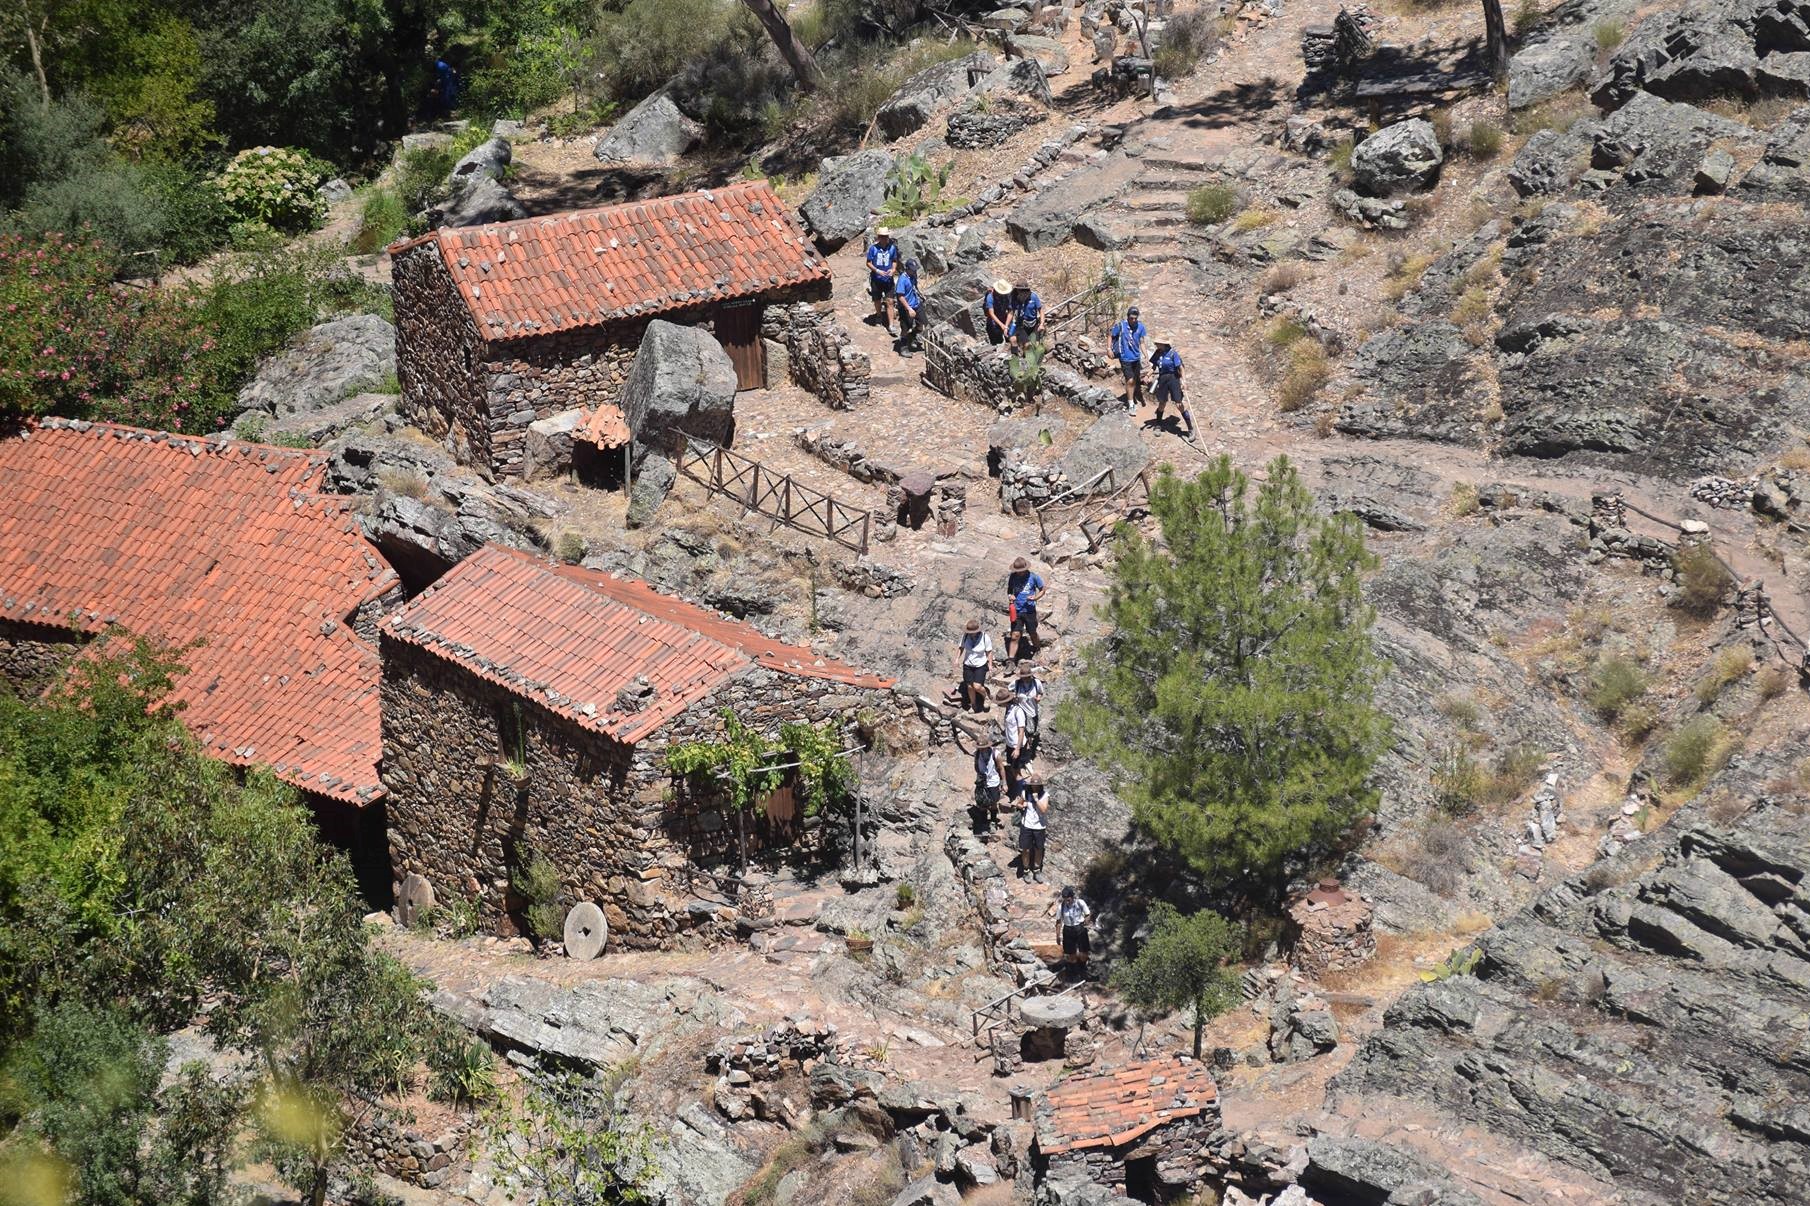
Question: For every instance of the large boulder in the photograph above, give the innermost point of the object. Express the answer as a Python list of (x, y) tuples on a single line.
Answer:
[(483, 200), (490, 158), (1020, 77), (850, 188), (1048, 53), (1113, 442), (911, 107), (323, 366), (1560, 52), (1396, 158), (653, 481), (682, 382), (653, 134)]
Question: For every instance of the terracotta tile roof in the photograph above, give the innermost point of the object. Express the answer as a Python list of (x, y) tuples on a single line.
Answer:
[(1116, 1105), (180, 538), (535, 276), (570, 639), (605, 427)]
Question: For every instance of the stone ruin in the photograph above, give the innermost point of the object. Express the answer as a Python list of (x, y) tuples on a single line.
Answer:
[(1338, 48), (1333, 930)]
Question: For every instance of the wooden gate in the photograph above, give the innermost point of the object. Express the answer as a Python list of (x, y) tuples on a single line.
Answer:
[(738, 330)]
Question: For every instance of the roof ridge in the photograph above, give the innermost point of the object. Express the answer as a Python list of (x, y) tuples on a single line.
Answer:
[(212, 442)]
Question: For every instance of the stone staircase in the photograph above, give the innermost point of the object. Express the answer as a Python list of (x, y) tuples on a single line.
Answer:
[(1154, 209)]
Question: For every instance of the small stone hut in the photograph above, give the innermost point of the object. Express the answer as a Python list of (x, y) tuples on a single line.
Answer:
[(501, 325), (1332, 929), (528, 707), (229, 544), (1140, 1129)]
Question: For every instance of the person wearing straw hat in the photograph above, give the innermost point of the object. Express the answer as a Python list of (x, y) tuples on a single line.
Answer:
[(882, 274), (1033, 827), (1167, 362), (1027, 689), (1128, 346), (996, 311), (974, 658), (1027, 316), (1024, 587)]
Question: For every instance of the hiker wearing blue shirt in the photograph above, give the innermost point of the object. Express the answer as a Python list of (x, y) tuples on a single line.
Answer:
[(1167, 363), (1128, 345), (996, 311), (444, 94), (882, 274), (1023, 589), (910, 303), (1027, 316)]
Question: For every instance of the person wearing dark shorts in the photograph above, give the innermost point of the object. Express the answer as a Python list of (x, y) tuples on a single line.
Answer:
[(975, 658), (883, 275), (1128, 346), (989, 779), (1024, 587), (1033, 828), (1076, 917), (1168, 365), (996, 311)]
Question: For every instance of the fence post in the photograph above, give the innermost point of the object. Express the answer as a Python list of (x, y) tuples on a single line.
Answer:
[(867, 519)]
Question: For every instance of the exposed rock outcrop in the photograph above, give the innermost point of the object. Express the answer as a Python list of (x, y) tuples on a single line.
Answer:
[(652, 134)]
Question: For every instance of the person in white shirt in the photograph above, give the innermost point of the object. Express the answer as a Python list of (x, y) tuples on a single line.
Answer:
[(1018, 745), (988, 768), (1029, 689), (975, 658), (1075, 917), (1033, 828)]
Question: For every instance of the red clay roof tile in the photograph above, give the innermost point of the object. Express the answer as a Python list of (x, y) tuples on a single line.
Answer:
[(1116, 1105), (539, 275), (570, 639), (179, 538)]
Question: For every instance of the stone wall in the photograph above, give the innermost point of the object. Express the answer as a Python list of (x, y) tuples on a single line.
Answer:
[(439, 355), (456, 819), (420, 1155), (31, 654), (961, 366), (530, 379), (1183, 1157), (816, 352)]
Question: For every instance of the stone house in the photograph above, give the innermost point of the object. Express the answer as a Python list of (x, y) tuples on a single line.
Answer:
[(501, 325), (528, 707), (181, 539), (1140, 1129)]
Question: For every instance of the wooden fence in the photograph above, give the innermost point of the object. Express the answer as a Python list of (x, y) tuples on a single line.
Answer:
[(1095, 512), (775, 495)]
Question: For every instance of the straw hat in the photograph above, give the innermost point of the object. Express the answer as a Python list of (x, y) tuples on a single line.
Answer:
[(973, 626), (1002, 285), (884, 232), (1021, 564)]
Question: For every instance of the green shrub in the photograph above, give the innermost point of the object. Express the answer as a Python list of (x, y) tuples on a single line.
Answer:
[(1307, 371), (1692, 751), (1485, 140), (1729, 665), (569, 548), (1212, 204), (1702, 579), (905, 896), (914, 188), (460, 1070), (275, 187), (1636, 721), (381, 221), (1609, 34), (420, 175), (1340, 158), (536, 881), (1616, 682), (1458, 782)]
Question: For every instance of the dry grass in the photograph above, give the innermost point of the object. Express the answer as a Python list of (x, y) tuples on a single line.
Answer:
[(1405, 272), (1464, 499), (1253, 218), (409, 483), (1325, 423), (1308, 370), (1702, 579), (1473, 306), (1560, 113), (1772, 682), (1282, 278), (1731, 664)]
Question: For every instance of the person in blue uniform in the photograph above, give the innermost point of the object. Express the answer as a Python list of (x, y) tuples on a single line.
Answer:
[(1128, 346), (882, 274), (911, 305), (1166, 362), (996, 311), (1027, 316)]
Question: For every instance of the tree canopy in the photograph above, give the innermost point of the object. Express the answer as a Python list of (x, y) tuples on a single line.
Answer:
[(1184, 964), (1232, 699)]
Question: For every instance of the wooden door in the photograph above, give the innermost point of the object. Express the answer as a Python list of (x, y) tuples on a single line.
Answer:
[(738, 330)]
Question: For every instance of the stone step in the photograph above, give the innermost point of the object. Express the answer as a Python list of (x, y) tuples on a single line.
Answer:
[(1192, 166), (1168, 183)]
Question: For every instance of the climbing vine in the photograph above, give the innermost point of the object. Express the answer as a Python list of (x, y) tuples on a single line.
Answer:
[(744, 766)]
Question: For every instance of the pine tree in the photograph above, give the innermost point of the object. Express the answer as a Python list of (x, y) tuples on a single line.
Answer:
[(1232, 698), (1183, 965)]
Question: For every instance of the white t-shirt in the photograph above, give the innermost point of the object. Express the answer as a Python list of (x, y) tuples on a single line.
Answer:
[(1076, 912), (1029, 691), (1015, 718), (1032, 818), (976, 648)]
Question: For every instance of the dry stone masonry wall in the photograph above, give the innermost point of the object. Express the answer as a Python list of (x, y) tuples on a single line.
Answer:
[(815, 351), (31, 654), (438, 351), (961, 366)]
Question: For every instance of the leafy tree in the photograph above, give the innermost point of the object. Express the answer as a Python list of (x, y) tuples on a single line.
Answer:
[(563, 1143), (1183, 965), (1232, 699)]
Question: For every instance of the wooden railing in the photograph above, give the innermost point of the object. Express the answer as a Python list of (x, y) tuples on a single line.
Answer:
[(1095, 513), (775, 495)]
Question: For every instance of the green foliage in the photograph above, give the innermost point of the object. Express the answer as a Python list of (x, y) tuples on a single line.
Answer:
[(1485, 140), (569, 548), (1616, 682), (1183, 965), (904, 896), (420, 176), (528, 54), (1458, 963), (1187, 38), (461, 1070), (382, 219), (151, 92), (274, 187), (564, 1143), (1609, 34), (1703, 581), (1694, 750), (536, 880), (140, 877), (1026, 369), (647, 42), (743, 767), (1212, 204), (914, 189), (1232, 698), (1730, 664)]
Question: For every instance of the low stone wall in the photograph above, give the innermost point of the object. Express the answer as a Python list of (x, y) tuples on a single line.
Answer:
[(31, 655), (1023, 486), (1183, 1151), (812, 349), (1332, 932), (961, 366), (1009, 952), (1019, 181), (422, 1156)]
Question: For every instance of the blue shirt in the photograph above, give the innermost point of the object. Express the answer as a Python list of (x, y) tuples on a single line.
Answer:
[(1128, 341), (1030, 313), (1167, 362), (907, 289), (999, 305), (880, 260), (1021, 585)]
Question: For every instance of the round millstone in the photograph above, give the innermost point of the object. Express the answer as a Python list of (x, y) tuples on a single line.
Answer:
[(586, 931), (1052, 1013), (413, 898)]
